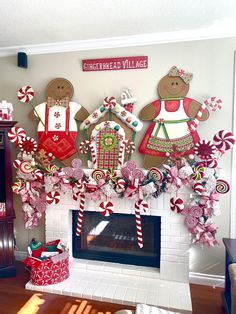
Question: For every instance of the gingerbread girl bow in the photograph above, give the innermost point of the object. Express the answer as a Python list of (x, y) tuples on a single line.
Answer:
[(186, 77)]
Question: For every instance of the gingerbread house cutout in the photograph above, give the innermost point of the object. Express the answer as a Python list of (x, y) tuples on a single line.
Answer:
[(110, 133)]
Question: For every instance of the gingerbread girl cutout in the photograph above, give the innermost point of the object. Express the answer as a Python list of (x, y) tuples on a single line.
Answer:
[(171, 129), (57, 128)]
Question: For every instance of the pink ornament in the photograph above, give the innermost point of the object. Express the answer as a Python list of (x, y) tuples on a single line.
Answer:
[(224, 140), (198, 188), (191, 222), (106, 208), (53, 198), (25, 94), (16, 134), (176, 204)]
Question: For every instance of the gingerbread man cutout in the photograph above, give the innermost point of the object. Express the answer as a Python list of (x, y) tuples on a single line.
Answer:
[(57, 127), (171, 117)]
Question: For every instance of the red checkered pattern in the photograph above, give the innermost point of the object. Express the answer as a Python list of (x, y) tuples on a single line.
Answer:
[(49, 272), (107, 159)]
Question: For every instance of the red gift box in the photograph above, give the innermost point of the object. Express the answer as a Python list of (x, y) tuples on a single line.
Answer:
[(51, 271), (2, 209)]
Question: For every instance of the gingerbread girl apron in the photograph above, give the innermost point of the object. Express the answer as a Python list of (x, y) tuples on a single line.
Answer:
[(57, 130), (170, 130)]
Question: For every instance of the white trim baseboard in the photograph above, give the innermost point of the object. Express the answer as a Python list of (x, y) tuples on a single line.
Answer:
[(207, 279), (122, 41)]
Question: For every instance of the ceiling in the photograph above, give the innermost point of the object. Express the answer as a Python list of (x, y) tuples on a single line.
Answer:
[(35, 22)]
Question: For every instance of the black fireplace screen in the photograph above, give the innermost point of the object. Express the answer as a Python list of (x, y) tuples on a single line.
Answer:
[(113, 239)]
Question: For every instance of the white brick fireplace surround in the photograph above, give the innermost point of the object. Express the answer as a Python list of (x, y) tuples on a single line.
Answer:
[(167, 287)]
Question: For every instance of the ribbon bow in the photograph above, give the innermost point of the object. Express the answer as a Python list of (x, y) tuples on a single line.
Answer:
[(186, 77), (64, 102)]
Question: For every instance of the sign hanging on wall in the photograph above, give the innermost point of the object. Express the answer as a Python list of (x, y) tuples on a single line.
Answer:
[(114, 64)]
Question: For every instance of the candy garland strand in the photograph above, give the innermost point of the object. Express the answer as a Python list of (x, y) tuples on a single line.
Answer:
[(121, 153)]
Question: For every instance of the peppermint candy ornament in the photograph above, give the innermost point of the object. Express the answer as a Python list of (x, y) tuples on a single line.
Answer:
[(130, 148), (28, 145), (17, 163), (109, 102), (18, 186), (16, 134), (205, 149), (84, 147), (222, 186), (198, 188), (224, 140), (25, 94), (176, 204), (198, 173), (211, 163), (53, 198), (38, 175), (106, 208), (120, 185)]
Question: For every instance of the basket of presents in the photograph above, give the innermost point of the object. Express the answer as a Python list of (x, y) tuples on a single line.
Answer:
[(48, 263)]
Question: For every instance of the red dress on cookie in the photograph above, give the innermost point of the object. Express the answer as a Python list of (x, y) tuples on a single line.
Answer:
[(170, 129)]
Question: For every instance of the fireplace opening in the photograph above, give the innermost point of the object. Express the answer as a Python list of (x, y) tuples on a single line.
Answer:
[(113, 239)]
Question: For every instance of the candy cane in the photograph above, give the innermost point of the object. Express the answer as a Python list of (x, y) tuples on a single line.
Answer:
[(196, 120), (140, 203), (121, 151), (80, 214), (130, 148), (83, 148)]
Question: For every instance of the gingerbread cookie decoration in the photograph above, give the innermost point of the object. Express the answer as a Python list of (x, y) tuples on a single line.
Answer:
[(172, 119), (57, 127)]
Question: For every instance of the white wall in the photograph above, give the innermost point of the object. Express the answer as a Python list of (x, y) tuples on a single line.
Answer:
[(210, 61)]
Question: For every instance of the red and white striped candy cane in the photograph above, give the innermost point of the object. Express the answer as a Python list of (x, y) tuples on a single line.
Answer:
[(196, 120), (80, 214), (121, 153), (84, 145), (93, 153), (138, 205), (130, 148)]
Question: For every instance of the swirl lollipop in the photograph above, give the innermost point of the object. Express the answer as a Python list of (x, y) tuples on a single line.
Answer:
[(222, 186), (26, 167), (25, 94), (155, 174), (98, 174)]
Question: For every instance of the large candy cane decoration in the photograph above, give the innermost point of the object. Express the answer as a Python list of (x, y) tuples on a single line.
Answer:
[(80, 214), (121, 153), (213, 103), (140, 203)]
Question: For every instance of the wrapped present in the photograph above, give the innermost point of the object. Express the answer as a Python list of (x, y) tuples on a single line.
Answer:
[(6, 110), (2, 209)]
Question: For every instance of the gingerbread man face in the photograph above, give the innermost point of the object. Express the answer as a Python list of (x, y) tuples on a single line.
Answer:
[(59, 88), (172, 87)]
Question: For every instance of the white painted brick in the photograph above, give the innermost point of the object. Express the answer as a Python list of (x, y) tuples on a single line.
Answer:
[(169, 245), (169, 258)]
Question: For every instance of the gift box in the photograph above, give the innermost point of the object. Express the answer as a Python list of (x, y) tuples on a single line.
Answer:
[(6, 110), (50, 271), (2, 209)]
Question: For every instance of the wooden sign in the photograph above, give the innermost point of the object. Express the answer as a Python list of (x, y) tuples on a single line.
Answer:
[(114, 64)]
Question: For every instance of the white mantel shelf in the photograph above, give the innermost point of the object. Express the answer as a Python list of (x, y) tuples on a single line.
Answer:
[(167, 287)]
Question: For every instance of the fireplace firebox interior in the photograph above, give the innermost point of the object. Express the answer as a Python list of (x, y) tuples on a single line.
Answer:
[(113, 239)]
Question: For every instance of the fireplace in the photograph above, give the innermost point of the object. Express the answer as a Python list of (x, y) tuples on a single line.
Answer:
[(164, 286), (113, 239)]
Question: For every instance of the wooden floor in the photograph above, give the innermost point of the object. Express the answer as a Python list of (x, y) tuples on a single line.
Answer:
[(15, 299)]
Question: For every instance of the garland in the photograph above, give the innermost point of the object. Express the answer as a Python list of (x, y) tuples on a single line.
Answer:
[(199, 172)]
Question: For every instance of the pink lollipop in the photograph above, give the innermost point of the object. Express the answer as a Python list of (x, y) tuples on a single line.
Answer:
[(224, 140), (16, 134), (126, 173), (131, 165), (25, 94), (137, 174)]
